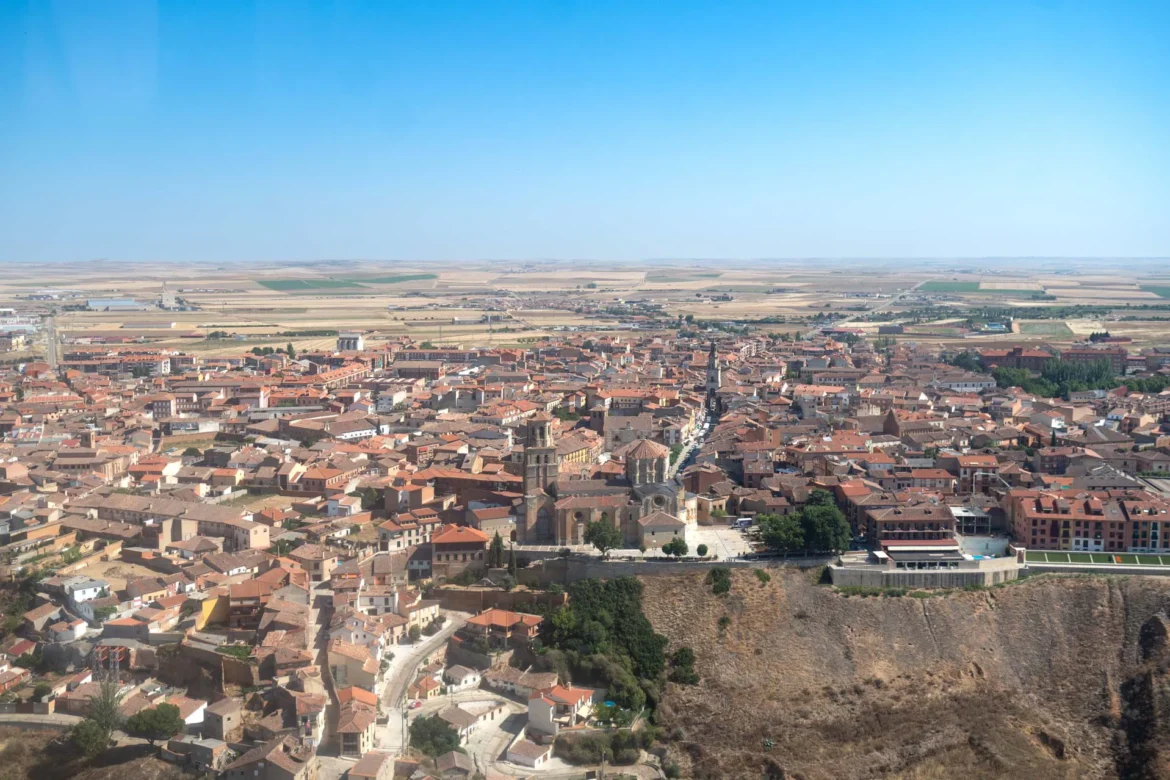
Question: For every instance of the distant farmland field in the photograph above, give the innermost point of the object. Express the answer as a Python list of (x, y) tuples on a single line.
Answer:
[(1159, 290), (1044, 328), (681, 276), (293, 285), (977, 288), (940, 286), (397, 279), (350, 283)]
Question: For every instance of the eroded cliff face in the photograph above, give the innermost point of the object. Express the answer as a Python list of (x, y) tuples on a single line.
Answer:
[(1047, 678)]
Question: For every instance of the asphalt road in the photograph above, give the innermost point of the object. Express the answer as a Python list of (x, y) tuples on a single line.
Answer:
[(51, 344), (390, 736)]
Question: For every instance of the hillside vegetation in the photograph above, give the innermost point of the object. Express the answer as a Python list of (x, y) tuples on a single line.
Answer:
[(1047, 678)]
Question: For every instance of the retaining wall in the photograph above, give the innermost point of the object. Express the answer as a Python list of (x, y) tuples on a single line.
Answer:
[(566, 571)]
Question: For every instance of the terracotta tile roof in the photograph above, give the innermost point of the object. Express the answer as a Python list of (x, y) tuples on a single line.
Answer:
[(457, 534), (501, 618)]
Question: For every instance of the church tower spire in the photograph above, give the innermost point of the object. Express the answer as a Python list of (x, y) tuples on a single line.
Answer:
[(714, 380)]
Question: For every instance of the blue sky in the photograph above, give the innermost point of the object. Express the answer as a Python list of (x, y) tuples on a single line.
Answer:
[(283, 130)]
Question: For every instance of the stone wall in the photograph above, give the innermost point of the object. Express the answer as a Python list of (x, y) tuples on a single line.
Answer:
[(476, 600), (459, 655), (569, 570)]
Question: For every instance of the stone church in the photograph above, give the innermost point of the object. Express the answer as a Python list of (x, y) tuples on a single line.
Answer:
[(640, 499)]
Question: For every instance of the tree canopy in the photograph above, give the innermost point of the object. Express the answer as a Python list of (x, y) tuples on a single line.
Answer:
[(825, 529), (603, 535), (496, 552), (782, 533), (601, 637), (1061, 377), (819, 526), (433, 736), (93, 734), (155, 723)]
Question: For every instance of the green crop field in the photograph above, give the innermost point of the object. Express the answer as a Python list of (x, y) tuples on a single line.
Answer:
[(667, 277), (971, 288), (397, 279), (1044, 328), (292, 285), (1159, 290), (941, 286)]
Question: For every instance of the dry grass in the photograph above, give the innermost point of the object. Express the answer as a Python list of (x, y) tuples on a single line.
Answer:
[(1003, 683), (116, 573)]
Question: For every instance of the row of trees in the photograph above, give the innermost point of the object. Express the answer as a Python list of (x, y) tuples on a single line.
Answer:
[(498, 557), (819, 526), (264, 351), (1059, 378)]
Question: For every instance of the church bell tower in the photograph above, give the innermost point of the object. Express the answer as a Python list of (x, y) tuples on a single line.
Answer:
[(714, 381)]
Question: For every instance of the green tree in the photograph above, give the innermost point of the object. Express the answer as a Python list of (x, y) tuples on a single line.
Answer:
[(370, 497), (820, 497), (281, 547), (603, 535), (701, 551), (90, 738), (825, 528), (414, 633), (42, 690), (719, 578), (966, 360), (93, 734), (682, 663), (676, 547), (512, 563), (496, 552), (155, 723), (193, 452), (292, 353), (782, 533), (433, 736)]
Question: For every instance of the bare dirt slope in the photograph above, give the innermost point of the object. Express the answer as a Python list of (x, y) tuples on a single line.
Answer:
[(42, 755), (1047, 678)]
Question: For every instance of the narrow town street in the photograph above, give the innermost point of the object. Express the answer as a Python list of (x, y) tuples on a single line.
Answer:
[(393, 734)]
